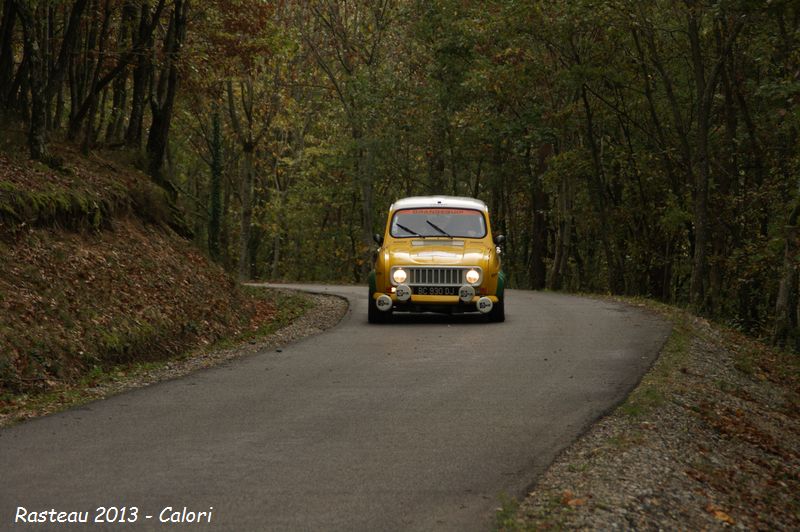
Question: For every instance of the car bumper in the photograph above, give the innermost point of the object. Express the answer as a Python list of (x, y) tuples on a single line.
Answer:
[(434, 301)]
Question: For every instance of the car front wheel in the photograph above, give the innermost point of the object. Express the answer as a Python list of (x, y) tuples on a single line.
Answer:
[(373, 314), (498, 312)]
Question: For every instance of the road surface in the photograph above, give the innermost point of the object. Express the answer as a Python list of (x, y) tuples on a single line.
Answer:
[(416, 425)]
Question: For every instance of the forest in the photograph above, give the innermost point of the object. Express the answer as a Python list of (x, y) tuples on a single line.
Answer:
[(625, 147)]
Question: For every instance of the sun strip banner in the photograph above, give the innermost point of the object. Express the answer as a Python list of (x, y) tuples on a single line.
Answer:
[(441, 211)]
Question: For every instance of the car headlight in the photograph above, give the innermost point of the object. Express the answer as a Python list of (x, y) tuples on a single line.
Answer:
[(399, 275), (472, 276)]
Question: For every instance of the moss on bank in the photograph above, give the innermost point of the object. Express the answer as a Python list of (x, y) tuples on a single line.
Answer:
[(93, 281), (101, 380)]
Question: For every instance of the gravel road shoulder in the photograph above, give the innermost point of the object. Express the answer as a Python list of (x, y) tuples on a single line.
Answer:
[(709, 439)]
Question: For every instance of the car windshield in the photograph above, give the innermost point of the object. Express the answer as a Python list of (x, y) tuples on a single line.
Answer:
[(461, 223)]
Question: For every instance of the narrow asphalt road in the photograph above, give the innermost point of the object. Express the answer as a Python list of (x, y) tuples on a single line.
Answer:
[(416, 425)]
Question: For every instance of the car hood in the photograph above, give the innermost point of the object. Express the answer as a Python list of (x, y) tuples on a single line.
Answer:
[(433, 252)]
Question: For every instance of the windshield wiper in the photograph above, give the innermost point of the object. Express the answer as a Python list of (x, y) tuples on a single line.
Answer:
[(445, 233), (407, 230)]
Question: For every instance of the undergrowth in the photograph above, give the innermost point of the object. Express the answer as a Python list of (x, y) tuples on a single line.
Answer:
[(101, 375)]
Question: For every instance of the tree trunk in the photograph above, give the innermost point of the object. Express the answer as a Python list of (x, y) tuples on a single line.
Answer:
[(143, 71), (59, 70), (367, 204), (724, 183), (83, 101), (785, 332), (276, 255), (256, 236), (363, 177), (162, 100), (58, 115), (89, 135), (119, 103), (18, 89), (6, 50), (563, 238), (537, 272), (247, 215), (215, 207), (616, 280), (436, 162), (120, 86), (37, 141), (50, 37), (141, 78), (705, 88), (85, 65), (697, 285), (224, 232), (560, 248)]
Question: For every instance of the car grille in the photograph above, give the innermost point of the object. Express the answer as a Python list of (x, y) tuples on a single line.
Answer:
[(432, 276)]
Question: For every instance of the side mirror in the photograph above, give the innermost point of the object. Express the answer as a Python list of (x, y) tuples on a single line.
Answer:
[(378, 239), (499, 239)]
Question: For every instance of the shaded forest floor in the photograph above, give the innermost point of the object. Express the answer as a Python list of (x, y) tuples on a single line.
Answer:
[(710, 438), (94, 284)]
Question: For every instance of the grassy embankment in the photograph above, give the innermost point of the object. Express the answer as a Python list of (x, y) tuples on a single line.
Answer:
[(95, 286)]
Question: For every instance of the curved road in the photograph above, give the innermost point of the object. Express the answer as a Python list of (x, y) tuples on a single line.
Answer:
[(420, 424)]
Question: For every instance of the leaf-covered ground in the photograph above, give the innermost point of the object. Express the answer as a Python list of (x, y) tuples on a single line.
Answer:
[(709, 439), (91, 277)]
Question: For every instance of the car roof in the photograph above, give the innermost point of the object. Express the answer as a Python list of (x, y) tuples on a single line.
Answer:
[(456, 202)]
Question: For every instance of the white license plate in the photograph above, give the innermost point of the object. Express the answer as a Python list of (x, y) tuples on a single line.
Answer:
[(436, 290)]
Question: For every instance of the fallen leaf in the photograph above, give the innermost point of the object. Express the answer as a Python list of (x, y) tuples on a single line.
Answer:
[(719, 514), (722, 516), (568, 498)]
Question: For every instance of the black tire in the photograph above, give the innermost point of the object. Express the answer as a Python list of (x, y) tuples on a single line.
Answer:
[(498, 312), (373, 314)]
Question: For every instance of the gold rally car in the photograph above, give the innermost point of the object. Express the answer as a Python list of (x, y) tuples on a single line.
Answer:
[(437, 254)]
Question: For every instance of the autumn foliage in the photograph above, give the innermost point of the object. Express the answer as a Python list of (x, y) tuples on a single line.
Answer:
[(641, 148)]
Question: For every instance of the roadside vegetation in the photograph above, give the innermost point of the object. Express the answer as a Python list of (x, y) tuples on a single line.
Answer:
[(709, 438), (637, 148), (104, 380), (95, 286)]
